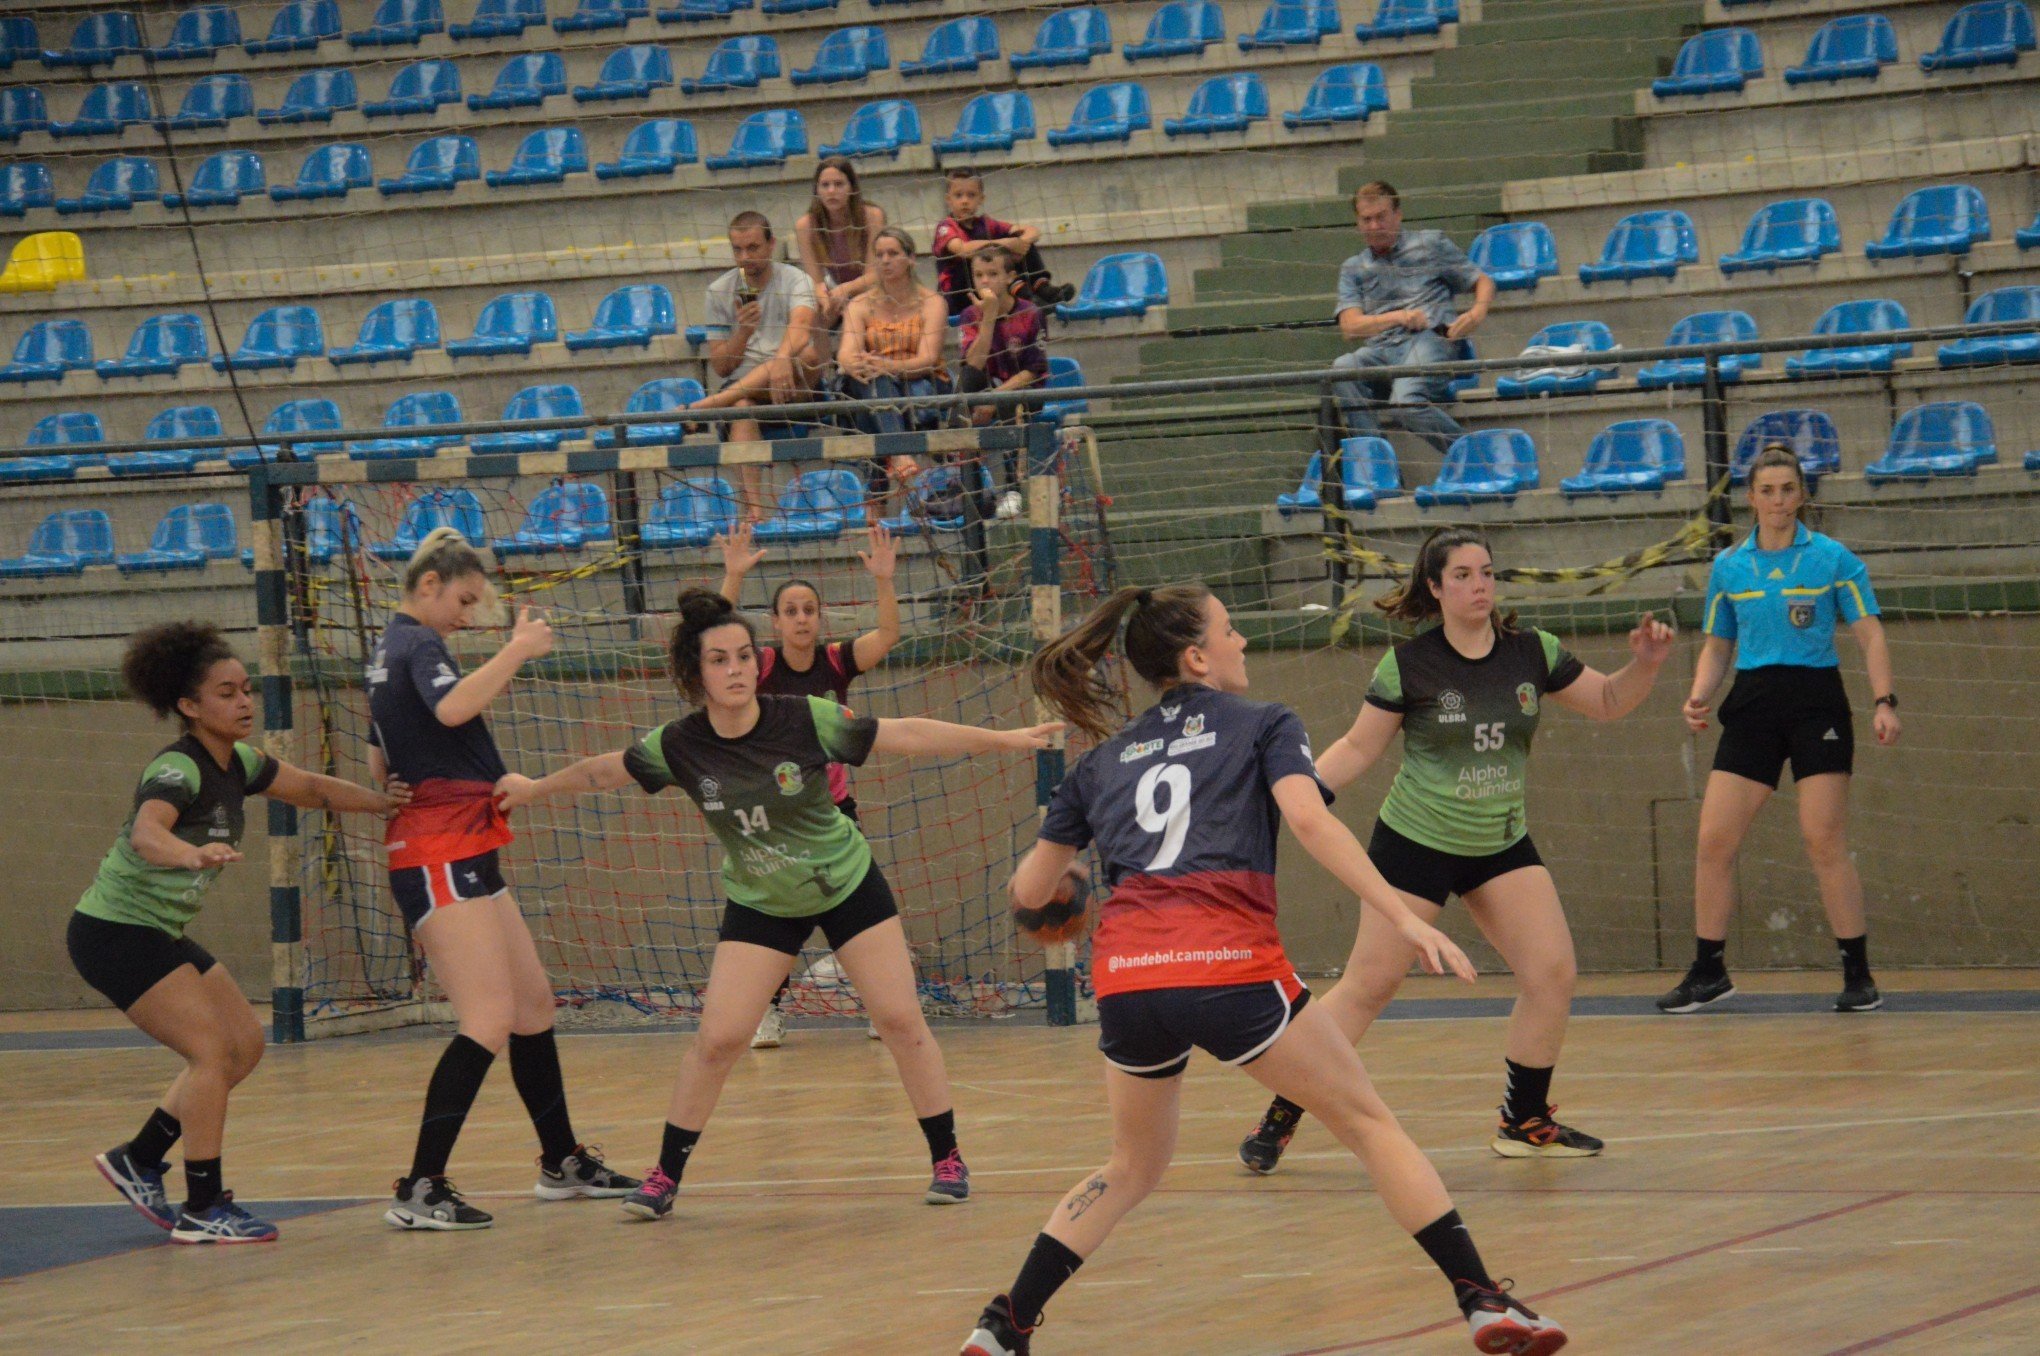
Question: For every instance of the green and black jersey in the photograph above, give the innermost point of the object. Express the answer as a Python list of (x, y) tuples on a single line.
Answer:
[(1467, 726), (208, 800), (787, 850)]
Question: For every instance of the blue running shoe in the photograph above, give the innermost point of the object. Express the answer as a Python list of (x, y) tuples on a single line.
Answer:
[(224, 1223), (139, 1183), (654, 1197)]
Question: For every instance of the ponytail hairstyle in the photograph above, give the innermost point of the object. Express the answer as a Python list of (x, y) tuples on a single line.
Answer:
[(167, 662), (701, 611), (1159, 625), (446, 553), (1415, 600), (1783, 454)]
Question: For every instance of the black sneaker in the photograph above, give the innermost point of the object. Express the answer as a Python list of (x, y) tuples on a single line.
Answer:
[(581, 1173), (997, 1332), (1503, 1323), (1859, 995), (1697, 992), (1542, 1137), (432, 1203), (1262, 1150)]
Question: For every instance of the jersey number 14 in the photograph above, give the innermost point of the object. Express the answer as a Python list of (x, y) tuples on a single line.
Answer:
[(753, 820), (1173, 824)]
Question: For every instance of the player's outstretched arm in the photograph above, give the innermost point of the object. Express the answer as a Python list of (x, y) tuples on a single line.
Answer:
[(920, 737), (1034, 880), (740, 557), (316, 791), (603, 772), (1332, 845), (155, 842), (1611, 696), (1353, 752), (871, 648)]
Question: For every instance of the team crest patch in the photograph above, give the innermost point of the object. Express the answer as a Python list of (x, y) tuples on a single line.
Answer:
[(787, 774), (1801, 614), (1194, 726), (1526, 697)]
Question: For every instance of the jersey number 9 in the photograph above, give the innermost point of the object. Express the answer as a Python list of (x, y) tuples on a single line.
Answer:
[(1173, 824)]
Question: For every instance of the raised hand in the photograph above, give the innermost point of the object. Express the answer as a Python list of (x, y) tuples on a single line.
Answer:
[(532, 635), (883, 557), (739, 556), (1651, 642)]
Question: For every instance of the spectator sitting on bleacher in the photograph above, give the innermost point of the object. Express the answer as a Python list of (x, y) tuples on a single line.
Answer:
[(967, 232), (835, 237), (892, 346), (1002, 350), (1395, 298), (760, 315)]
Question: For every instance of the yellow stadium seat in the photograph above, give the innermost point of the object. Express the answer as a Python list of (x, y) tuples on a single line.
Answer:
[(42, 262)]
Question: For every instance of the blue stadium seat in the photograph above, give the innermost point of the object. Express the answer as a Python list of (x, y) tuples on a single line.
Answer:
[(1713, 62), (1064, 374), (298, 27), (276, 338), (1810, 433), (565, 516), (557, 401), (2028, 237), (1568, 375), (435, 166), (332, 528), (1944, 219), (877, 129), (1645, 245), (116, 185), (656, 396), (511, 323), (392, 333), (1349, 93), (314, 96), (48, 350), (652, 148), (818, 506), (328, 172), (107, 109), (188, 536), (1179, 28), (1991, 33), (1703, 327), (959, 45), (24, 186), (64, 543), (1628, 458), (1795, 231), (2003, 306), (212, 102), (767, 137), (60, 466), (990, 122), (1119, 284), (1943, 438), (222, 180), (419, 409), (1111, 112), (1067, 37), (160, 346), (74, 428), (547, 156), (691, 513), (499, 19), (936, 502), (400, 23), (1224, 103), (435, 508), (1367, 474), (420, 87), (20, 40), (524, 82), (699, 11), (1408, 19), (1853, 47), (628, 318), (845, 55), (198, 33), (794, 6), (1293, 23), (1481, 467), (22, 109), (736, 63), (1515, 254), (628, 73), (98, 40), (290, 418), (179, 423), (590, 16), (1867, 316)]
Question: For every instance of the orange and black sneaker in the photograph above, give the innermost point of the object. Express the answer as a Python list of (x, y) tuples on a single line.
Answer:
[(1505, 1326), (1542, 1137), (998, 1332), (1261, 1151)]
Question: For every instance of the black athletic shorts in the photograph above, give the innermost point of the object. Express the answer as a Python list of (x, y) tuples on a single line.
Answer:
[(419, 890), (1784, 713), (848, 805), (1427, 873), (870, 904), (125, 960), (1149, 1033)]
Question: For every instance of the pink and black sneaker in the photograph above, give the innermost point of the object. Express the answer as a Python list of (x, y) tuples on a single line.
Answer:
[(951, 1183)]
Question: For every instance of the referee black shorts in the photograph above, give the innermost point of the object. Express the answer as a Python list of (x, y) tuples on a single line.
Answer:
[(1786, 713)]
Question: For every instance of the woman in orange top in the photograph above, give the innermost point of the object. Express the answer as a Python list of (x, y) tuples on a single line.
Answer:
[(892, 347)]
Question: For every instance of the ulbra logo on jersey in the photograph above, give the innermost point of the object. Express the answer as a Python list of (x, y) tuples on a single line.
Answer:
[(711, 794), (1451, 708)]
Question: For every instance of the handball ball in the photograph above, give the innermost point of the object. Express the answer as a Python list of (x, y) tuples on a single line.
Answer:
[(1066, 915)]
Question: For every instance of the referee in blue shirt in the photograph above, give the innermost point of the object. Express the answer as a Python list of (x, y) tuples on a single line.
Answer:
[(1774, 602)]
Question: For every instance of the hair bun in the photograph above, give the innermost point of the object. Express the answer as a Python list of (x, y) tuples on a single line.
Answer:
[(698, 606)]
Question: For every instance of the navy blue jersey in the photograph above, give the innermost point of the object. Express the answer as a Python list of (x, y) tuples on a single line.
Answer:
[(452, 770)]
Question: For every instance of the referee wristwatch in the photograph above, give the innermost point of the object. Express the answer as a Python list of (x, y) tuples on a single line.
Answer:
[(1889, 699)]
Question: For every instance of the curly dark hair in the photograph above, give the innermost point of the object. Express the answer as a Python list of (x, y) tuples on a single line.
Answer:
[(701, 611), (165, 664)]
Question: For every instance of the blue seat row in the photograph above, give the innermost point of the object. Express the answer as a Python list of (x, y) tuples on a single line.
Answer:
[(1851, 47), (68, 541)]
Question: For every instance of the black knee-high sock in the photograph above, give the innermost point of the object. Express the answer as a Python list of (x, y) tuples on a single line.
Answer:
[(535, 1069), (1448, 1243), (1709, 958), (1527, 1092), (1049, 1263), (201, 1184), (157, 1134), (1855, 956), (940, 1130), (447, 1099), (676, 1149)]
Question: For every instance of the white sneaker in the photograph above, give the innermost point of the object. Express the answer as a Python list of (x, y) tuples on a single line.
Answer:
[(771, 1030), (871, 1030), (1010, 505)]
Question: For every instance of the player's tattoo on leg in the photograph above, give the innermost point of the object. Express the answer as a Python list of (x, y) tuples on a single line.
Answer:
[(1093, 1189)]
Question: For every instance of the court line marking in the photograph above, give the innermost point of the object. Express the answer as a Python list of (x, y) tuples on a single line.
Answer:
[(1919, 1242), (1743, 1252), (1939, 1321)]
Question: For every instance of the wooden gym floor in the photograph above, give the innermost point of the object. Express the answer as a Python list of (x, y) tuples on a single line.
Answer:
[(1777, 1181)]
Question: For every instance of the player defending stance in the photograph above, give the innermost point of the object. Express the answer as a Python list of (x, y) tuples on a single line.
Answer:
[(127, 936), (1466, 695), (1774, 601), (757, 767), (427, 728), (803, 665), (1183, 805)]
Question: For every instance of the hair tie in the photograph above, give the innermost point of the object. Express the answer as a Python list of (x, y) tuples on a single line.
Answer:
[(1142, 597)]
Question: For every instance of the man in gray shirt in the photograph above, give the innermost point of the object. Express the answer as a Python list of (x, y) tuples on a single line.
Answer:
[(1395, 299)]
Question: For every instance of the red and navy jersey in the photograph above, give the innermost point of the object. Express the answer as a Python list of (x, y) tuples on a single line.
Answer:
[(829, 676), (452, 770), (1181, 806)]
